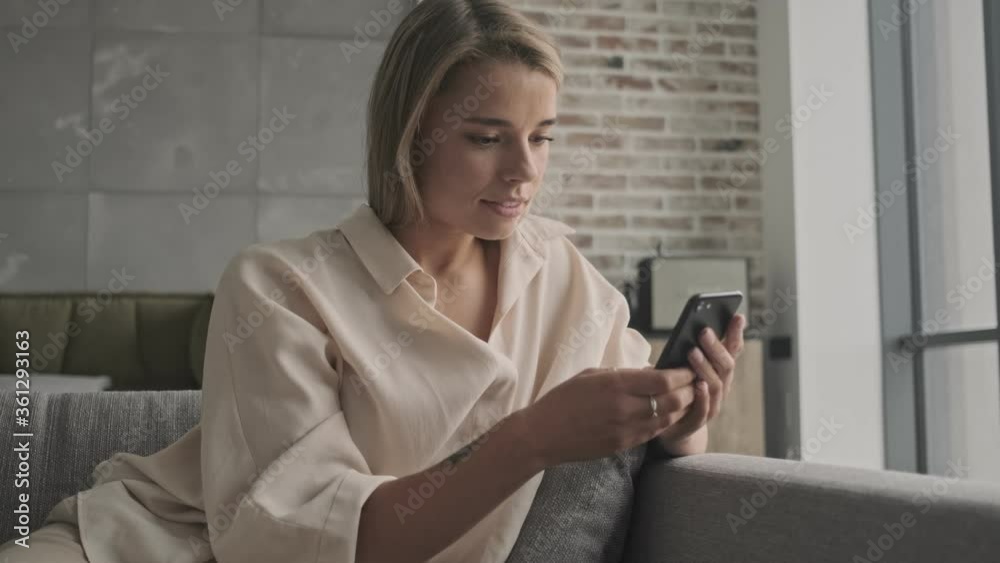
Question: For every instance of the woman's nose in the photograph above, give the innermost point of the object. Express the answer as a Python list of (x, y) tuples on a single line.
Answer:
[(520, 166)]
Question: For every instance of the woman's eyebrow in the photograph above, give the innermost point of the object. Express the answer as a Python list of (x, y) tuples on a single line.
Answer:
[(496, 121)]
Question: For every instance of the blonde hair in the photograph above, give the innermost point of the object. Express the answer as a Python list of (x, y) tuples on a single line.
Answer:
[(431, 43)]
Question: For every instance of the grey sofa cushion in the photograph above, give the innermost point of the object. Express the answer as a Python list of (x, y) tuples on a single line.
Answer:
[(73, 432), (581, 512)]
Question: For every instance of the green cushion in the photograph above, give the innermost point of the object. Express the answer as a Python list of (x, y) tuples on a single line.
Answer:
[(164, 337), (140, 340), (104, 345), (46, 320), (199, 337)]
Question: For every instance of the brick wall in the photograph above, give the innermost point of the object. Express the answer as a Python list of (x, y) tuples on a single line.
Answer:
[(658, 116)]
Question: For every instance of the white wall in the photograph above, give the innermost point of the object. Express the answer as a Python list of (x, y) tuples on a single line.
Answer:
[(814, 184)]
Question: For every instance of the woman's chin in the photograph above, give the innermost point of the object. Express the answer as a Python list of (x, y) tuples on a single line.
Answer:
[(495, 232)]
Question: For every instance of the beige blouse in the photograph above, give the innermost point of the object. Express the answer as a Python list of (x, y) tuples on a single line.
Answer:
[(329, 371)]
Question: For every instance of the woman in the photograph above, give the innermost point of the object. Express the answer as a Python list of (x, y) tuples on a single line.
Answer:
[(393, 389)]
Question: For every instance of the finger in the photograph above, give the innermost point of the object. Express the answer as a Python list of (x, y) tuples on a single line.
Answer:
[(708, 374), (716, 352), (698, 415), (723, 364), (734, 343), (734, 335), (677, 400), (674, 406), (670, 407), (693, 418), (650, 381)]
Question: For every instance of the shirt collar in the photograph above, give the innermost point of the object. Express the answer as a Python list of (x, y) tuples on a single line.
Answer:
[(389, 263)]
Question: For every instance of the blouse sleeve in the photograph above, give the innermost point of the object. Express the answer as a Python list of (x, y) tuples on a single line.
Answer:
[(627, 347), (282, 478)]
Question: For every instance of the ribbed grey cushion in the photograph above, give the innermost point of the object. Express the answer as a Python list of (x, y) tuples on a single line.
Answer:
[(687, 510), (581, 512), (73, 432)]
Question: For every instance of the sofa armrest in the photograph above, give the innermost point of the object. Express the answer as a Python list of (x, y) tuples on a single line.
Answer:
[(722, 508)]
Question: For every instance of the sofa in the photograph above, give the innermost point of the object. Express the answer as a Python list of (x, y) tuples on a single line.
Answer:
[(704, 508)]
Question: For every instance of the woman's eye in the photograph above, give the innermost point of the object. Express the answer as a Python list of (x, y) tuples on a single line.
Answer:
[(489, 141), (485, 141)]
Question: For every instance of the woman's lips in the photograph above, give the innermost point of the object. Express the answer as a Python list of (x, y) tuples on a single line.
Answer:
[(508, 210)]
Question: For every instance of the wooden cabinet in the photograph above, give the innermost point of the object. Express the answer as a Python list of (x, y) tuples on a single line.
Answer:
[(739, 428)]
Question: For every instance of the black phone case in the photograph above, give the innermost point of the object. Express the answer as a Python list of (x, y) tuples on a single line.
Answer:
[(693, 319)]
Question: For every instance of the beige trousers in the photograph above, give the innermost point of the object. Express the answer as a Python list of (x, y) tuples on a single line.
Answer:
[(57, 542)]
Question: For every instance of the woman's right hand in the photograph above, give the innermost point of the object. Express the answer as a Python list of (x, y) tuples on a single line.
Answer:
[(601, 411)]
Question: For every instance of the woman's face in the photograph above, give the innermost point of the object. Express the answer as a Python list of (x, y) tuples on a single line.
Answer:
[(483, 148)]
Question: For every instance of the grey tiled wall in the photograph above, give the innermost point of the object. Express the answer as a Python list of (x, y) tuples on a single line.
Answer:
[(180, 89)]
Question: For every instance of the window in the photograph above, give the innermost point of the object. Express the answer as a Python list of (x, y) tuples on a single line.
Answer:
[(935, 82)]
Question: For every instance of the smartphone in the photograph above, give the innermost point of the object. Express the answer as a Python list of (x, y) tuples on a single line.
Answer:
[(714, 310)]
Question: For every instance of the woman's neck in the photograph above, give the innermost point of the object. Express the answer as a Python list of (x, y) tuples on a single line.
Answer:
[(441, 251)]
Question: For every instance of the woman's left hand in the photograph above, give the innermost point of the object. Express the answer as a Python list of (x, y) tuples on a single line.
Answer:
[(713, 362)]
